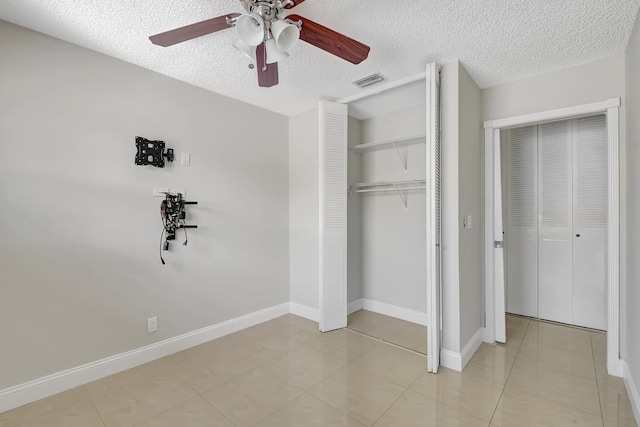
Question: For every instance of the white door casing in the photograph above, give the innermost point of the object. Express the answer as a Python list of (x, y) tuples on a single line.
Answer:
[(611, 109)]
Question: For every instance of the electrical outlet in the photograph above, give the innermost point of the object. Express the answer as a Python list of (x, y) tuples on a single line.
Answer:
[(152, 324)]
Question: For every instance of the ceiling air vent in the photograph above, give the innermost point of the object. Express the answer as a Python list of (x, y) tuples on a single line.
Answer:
[(369, 80)]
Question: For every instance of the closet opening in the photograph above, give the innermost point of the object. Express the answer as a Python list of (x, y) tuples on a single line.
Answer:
[(552, 184), (388, 208), (554, 192)]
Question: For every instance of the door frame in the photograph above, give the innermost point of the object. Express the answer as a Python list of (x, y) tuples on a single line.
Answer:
[(492, 128)]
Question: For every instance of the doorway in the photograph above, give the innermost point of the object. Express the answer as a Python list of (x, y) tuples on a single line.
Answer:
[(494, 272), (336, 298)]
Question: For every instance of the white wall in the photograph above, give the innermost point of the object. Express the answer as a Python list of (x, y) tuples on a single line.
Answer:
[(80, 229), (393, 236), (632, 300), (355, 290), (462, 273), (450, 244), (304, 209), (591, 82), (470, 203)]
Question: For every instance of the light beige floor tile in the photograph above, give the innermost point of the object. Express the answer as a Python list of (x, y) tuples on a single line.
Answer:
[(252, 397), (609, 423), (413, 409), (477, 397), (393, 363), (603, 377), (193, 413), (498, 351), (491, 370), (135, 396), (563, 361), (205, 367), (43, 407), (568, 338), (343, 344), (616, 405), (304, 366), (296, 328), (516, 326), (571, 391), (491, 362), (599, 345), (521, 409), (395, 331), (309, 411), (259, 346), (76, 414), (364, 397), (129, 379)]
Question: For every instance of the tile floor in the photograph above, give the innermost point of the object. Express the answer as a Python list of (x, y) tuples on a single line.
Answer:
[(285, 373), (389, 329)]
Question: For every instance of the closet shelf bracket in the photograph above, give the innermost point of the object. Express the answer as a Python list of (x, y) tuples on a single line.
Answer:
[(402, 158)]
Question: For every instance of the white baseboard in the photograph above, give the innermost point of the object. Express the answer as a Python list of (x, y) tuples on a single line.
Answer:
[(472, 346), (632, 391), (31, 391), (451, 359), (354, 306), (304, 311), (402, 313), (457, 361)]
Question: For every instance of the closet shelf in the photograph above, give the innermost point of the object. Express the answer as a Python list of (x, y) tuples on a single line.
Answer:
[(365, 187), (398, 186), (388, 144)]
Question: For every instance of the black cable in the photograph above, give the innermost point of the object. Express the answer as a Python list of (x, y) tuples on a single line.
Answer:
[(161, 234), (186, 239)]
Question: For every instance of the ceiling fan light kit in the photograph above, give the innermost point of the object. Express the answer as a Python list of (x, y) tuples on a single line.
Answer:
[(267, 33)]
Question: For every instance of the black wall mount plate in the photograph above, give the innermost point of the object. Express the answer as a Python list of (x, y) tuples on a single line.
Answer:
[(152, 152)]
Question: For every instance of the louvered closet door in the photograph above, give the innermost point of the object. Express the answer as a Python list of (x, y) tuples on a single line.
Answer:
[(522, 221), (557, 198), (333, 216), (555, 288), (590, 222)]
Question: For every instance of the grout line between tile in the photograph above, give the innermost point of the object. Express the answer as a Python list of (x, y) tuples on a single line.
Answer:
[(504, 386)]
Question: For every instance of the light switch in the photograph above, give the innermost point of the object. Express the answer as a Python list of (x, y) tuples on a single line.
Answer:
[(185, 159)]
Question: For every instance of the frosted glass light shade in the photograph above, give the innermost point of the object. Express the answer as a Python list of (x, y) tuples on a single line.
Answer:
[(286, 35), (250, 28), (248, 51), (273, 53)]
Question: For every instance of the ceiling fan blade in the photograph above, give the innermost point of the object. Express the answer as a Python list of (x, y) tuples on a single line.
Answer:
[(192, 31), (267, 73), (295, 3), (332, 41)]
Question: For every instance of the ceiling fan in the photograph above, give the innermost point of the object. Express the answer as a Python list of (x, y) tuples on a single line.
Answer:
[(266, 32)]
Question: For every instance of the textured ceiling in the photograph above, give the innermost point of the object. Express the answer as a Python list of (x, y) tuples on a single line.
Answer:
[(496, 40)]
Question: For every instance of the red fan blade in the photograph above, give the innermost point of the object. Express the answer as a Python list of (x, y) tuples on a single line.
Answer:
[(295, 3), (332, 41), (267, 73), (192, 31)]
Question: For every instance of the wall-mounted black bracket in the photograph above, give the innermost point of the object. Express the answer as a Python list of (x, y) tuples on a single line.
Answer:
[(152, 152), (173, 214)]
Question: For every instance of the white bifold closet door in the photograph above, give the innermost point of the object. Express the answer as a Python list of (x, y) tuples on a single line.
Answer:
[(557, 177)]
